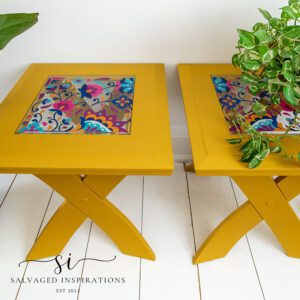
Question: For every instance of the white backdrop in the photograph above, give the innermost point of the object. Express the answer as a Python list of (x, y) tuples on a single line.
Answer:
[(168, 31)]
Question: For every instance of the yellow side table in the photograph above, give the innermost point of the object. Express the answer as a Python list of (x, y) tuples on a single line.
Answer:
[(81, 128), (213, 156)]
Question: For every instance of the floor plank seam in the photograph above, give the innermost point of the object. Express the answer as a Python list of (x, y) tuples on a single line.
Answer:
[(51, 196), (86, 250), (249, 246), (142, 222), (192, 224), (24, 273), (4, 197)]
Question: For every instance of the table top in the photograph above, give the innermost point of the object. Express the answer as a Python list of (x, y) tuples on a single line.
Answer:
[(87, 119), (208, 129)]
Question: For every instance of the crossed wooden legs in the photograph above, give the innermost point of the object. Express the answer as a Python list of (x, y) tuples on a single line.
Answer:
[(268, 200), (86, 198)]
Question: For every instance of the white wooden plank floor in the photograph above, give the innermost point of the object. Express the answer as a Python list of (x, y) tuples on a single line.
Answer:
[(175, 214)]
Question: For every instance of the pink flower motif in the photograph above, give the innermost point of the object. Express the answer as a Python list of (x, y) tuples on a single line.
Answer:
[(230, 84), (64, 105), (94, 89), (285, 106), (118, 84)]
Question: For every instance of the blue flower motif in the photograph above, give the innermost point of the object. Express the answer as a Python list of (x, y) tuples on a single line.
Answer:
[(220, 84), (127, 85), (122, 102), (84, 92), (228, 101)]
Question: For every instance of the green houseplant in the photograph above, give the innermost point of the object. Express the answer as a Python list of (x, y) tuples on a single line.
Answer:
[(12, 25), (269, 58)]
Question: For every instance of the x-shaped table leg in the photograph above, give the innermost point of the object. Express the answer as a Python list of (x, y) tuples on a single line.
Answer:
[(267, 201), (86, 198)]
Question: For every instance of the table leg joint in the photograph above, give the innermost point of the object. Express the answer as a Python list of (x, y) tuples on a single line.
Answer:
[(87, 196), (267, 201)]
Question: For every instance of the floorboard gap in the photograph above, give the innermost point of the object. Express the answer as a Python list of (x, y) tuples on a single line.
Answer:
[(192, 223), (86, 250), (24, 273), (3, 199), (249, 246)]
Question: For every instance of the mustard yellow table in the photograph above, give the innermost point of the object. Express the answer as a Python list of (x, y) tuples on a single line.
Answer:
[(81, 128), (213, 156)]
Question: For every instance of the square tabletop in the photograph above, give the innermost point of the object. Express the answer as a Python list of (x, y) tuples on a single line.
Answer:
[(87, 119), (208, 128)]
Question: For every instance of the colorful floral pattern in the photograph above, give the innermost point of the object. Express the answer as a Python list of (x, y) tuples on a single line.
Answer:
[(235, 98), (82, 104)]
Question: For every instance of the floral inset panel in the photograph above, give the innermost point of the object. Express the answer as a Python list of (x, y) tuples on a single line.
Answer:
[(235, 98), (82, 104)]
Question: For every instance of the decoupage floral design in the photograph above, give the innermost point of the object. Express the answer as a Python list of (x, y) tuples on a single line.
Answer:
[(235, 98), (82, 104)]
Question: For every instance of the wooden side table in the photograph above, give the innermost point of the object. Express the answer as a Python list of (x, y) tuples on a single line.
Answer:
[(213, 156), (81, 128)]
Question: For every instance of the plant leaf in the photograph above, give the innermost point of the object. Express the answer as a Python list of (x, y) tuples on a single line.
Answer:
[(247, 39), (248, 155), (265, 14), (289, 11), (12, 25), (263, 154), (247, 146), (234, 141), (289, 95), (296, 63), (271, 73), (267, 54), (253, 54), (297, 49), (259, 109), (262, 36), (292, 32), (276, 149), (293, 1), (275, 98), (235, 60), (251, 64), (263, 85), (296, 90), (248, 78), (289, 76), (287, 66), (277, 23), (259, 26), (254, 163), (254, 89)]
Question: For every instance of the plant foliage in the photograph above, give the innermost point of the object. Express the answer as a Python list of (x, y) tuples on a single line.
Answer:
[(12, 25), (269, 58)]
